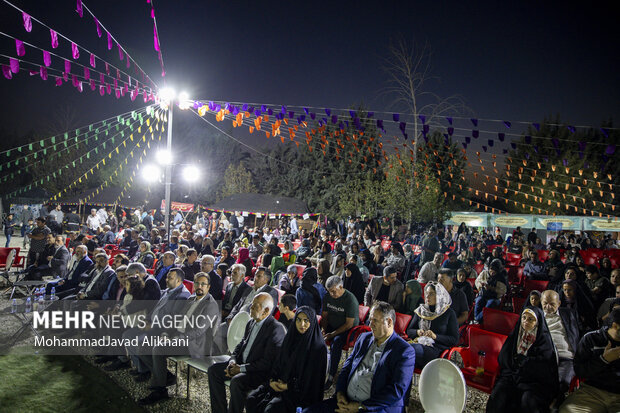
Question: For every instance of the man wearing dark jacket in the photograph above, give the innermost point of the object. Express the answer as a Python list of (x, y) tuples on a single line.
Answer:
[(597, 361), (81, 265), (251, 361), (100, 277), (377, 374), (164, 265), (235, 290), (564, 329), (191, 266), (215, 281)]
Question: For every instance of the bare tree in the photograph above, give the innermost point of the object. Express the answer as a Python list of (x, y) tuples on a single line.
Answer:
[(409, 71)]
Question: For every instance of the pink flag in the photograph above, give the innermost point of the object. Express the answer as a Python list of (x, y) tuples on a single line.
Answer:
[(14, 65), (117, 92), (155, 39), (54, 36), (79, 8), (115, 84), (86, 73), (120, 51), (128, 62), (65, 76), (33, 72), (118, 74), (27, 22), (19, 45), (98, 27), (47, 58), (67, 66), (152, 13), (109, 41), (126, 88), (107, 68), (101, 78), (43, 72), (133, 95), (92, 85), (122, 91), (74, 80), (80, 87), (75, 50), (6, 71), (145, 97), (108, 88), (102, 90), (58, 81), (92, 60)]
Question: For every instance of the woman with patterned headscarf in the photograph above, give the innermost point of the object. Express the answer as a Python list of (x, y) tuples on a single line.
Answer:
[(528, 376), (434, 327)]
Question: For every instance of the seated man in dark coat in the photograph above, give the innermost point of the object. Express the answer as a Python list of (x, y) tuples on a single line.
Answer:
[(81, 265), (377, 374), (251, 361)]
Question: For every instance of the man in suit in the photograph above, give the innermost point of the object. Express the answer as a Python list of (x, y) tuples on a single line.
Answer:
[(252, 359), (386, 288), (163, 267), (261, 285), (377, 374), (235, 290), (564, 329), (215, 281), (191, 266), (81, 265), (172, 302), (92, 285), (200, 336)]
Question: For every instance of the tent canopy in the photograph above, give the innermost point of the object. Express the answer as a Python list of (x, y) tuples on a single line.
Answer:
[(263, 203), (133, 197)]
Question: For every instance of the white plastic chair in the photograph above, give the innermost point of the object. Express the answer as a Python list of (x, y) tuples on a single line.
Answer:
[(442, 387)]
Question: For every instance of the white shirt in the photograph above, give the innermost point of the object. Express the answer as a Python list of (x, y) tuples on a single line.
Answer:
[(428, 272), (558, 335), (93, 222)]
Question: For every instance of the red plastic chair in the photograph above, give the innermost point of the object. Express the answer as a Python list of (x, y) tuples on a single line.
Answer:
[(542, 255), (363, 311), (189, 285), (402, 322), (497, 321), (478, 268), (513, 259), (530, 285), (480, 340), (515, 275)]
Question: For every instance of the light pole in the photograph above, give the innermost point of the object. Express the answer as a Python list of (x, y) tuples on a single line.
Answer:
[(168, 176)]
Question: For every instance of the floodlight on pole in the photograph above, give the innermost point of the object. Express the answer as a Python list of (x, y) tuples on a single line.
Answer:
[(184, 102), (150, 173), (191, 173), (164, 157), (167, 95)]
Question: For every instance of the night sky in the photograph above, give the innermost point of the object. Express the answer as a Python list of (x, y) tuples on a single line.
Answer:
[(509, 62)]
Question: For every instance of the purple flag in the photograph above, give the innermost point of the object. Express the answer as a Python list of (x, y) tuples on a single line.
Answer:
[(334, 119), (571, 128), (43, 72), (47, 58), (312, 115), (380, 123), (86, 73), (120, 51), (467, 139), (536, 125), (108, 89), (328, 112), (370, 114), (395, 117), (610, 149), (474, 121), (605, 132), (449, 119), (450, 130), (109, 41), (484, 148), (426, 128), (14, 65), (79, 9), (92, 85), (101, 78), (75, 50), (27, 22), (102, 90), (6, 71), (67, 66), (507, 124), (128, 63), (92, 60), (514, 145), (491, 142), (422, 118), (402, 126), (54, 37), (98, 27), (501, 136), (19, 46), (475, 134), (58, 81), (528, 139)]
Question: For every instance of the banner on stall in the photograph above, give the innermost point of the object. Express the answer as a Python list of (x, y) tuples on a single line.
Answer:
[(565, 222), (471, 219), (177, 206), (601, 224), (511, 221)]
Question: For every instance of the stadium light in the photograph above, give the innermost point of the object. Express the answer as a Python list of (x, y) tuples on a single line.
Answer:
[(151, 173), (191, 173), (164, 157)]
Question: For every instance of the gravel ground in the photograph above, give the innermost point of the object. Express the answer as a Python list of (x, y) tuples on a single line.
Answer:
[(199, 390)]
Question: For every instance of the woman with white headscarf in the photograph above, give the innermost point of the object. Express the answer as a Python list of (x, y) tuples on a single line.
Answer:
[(433, 327)]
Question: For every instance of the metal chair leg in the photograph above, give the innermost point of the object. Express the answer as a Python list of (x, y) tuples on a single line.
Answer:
[(176, 374), (188, 375)]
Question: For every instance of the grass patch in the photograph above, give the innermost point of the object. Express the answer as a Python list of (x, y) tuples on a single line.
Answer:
[(58, 384)]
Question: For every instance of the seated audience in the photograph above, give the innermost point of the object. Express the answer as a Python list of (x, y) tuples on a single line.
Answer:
[(433, 328), (298, 374), (387, 288), (287, 306), (597, 361), (459, 301), (215, 280), (251, 361), (534, 269), (235, 290), (491, 289), (463, 284), (528, 369), (311, 293), (429, 270), (290, 281), (340, 314), (353, 282), (164, 266), (377, 374), (411, 297)]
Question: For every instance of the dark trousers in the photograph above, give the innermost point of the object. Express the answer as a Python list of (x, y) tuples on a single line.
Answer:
[(8, 240), (266, 400), (482, 302), (424, 354), (507, 397), (335, 352), (326, 406), (240, 386)]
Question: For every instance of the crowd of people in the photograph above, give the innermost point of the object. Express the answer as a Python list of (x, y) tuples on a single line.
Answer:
[(303, 290)]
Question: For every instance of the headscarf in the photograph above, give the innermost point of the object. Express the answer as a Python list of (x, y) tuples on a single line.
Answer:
[(328, 249), (244, 254), (526, 338), (148, 249), (411, 300), (302, 360), (355, 282), (277, 264), (267, 258), (428, 313), (308, 279), (538, 367)]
